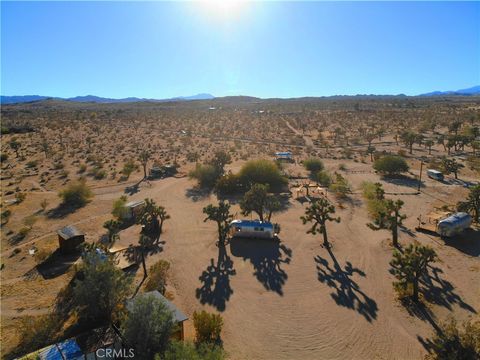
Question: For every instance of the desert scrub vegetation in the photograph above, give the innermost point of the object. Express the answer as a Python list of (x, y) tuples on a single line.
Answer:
[(76, 195), (391, 165)]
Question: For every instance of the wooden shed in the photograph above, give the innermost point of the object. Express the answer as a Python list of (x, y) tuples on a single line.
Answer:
[(69, 238)]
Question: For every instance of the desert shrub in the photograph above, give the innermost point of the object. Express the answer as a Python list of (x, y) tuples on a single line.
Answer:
[(228, 184), (262, 172), (313, 165), (180, 350), (58, 165), (157, 278), (82, 168), (36, 332), (207, 326), (128, 168), (31, 164), (3, 157), (390, 165), (20, 197), (341, 187), (99, 174), (454, 342), (119, 209), (5, 216), (206, 175), (323, 178), (77, 194)]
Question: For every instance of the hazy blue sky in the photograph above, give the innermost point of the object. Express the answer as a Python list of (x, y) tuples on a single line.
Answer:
[(265, 49)]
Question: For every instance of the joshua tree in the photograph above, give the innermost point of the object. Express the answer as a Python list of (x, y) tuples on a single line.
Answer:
[(143, 158), (409, 266), (258, 200), (451, 166), (318, 213), (429, 143), (371, 151), (221, 215), (472, 204), (220, 159), (389, 218), (113, 228), (150, 215), (144, 242), (15, 145)]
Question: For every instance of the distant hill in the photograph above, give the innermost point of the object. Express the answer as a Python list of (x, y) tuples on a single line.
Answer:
[(475, 90), (98, 99)]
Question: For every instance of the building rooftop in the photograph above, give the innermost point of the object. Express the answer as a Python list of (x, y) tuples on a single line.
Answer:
[(69, 231)]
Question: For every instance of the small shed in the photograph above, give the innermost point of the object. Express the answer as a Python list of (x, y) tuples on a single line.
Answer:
[(69, 238), (178, 316), (133, 210)]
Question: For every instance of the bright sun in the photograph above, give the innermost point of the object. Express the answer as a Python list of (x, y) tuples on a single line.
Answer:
[(223, 9)]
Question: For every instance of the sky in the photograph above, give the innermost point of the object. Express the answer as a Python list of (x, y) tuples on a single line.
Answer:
[(264, 49)]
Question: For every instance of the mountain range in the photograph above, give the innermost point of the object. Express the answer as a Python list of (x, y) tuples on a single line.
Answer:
[(475, 90), (98, 99)]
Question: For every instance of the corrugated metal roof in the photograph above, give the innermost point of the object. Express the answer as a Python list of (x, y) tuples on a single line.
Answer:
[(69, 231)]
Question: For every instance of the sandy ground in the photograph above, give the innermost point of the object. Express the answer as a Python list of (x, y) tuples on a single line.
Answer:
[(294, 299)]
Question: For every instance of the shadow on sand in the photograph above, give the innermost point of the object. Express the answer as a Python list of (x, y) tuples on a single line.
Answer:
[(216, 289), (347, 292), (266, 257), (467, 242), (57, 264)]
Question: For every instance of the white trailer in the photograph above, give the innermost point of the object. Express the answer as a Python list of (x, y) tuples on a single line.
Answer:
[(253, 229), (454, 224), (435, 174)]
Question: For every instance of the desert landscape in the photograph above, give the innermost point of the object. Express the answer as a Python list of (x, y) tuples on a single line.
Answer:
[(295, 296)]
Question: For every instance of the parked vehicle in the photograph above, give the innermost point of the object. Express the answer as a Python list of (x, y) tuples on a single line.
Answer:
[(435, 174), (454, 224), (253, 229)]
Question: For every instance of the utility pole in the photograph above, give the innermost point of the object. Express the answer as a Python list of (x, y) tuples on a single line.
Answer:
[(420, 179)]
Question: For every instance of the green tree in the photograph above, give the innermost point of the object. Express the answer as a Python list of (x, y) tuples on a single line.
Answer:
[(408, 138), (429, 143), (318, 213), (148, 326), (370, 151), (390, 165), (101, 290), (221, 215), (472, 203), (389, 218), (258, 200), (15, 146), (113, 228), (208, 327), (220, 159), (410, 265), (150, 215), (451, 166), (128, 168)]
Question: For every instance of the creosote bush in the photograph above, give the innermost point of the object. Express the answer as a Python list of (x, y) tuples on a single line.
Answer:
[(390, 165), (77, 194), (207, 326)]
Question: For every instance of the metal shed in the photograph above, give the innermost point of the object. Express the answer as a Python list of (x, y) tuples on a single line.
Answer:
[(69, 238)]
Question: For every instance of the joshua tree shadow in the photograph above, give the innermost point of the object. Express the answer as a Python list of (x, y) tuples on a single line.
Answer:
[(197, 194), (266, 257), (441, 292), (347, 292), (402, 180), (216, 289)]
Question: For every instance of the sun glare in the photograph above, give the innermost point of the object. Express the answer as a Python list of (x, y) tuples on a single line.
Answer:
[(223, 9)]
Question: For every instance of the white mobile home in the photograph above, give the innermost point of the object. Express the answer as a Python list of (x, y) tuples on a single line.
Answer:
[(252, 229), (435, 174)]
